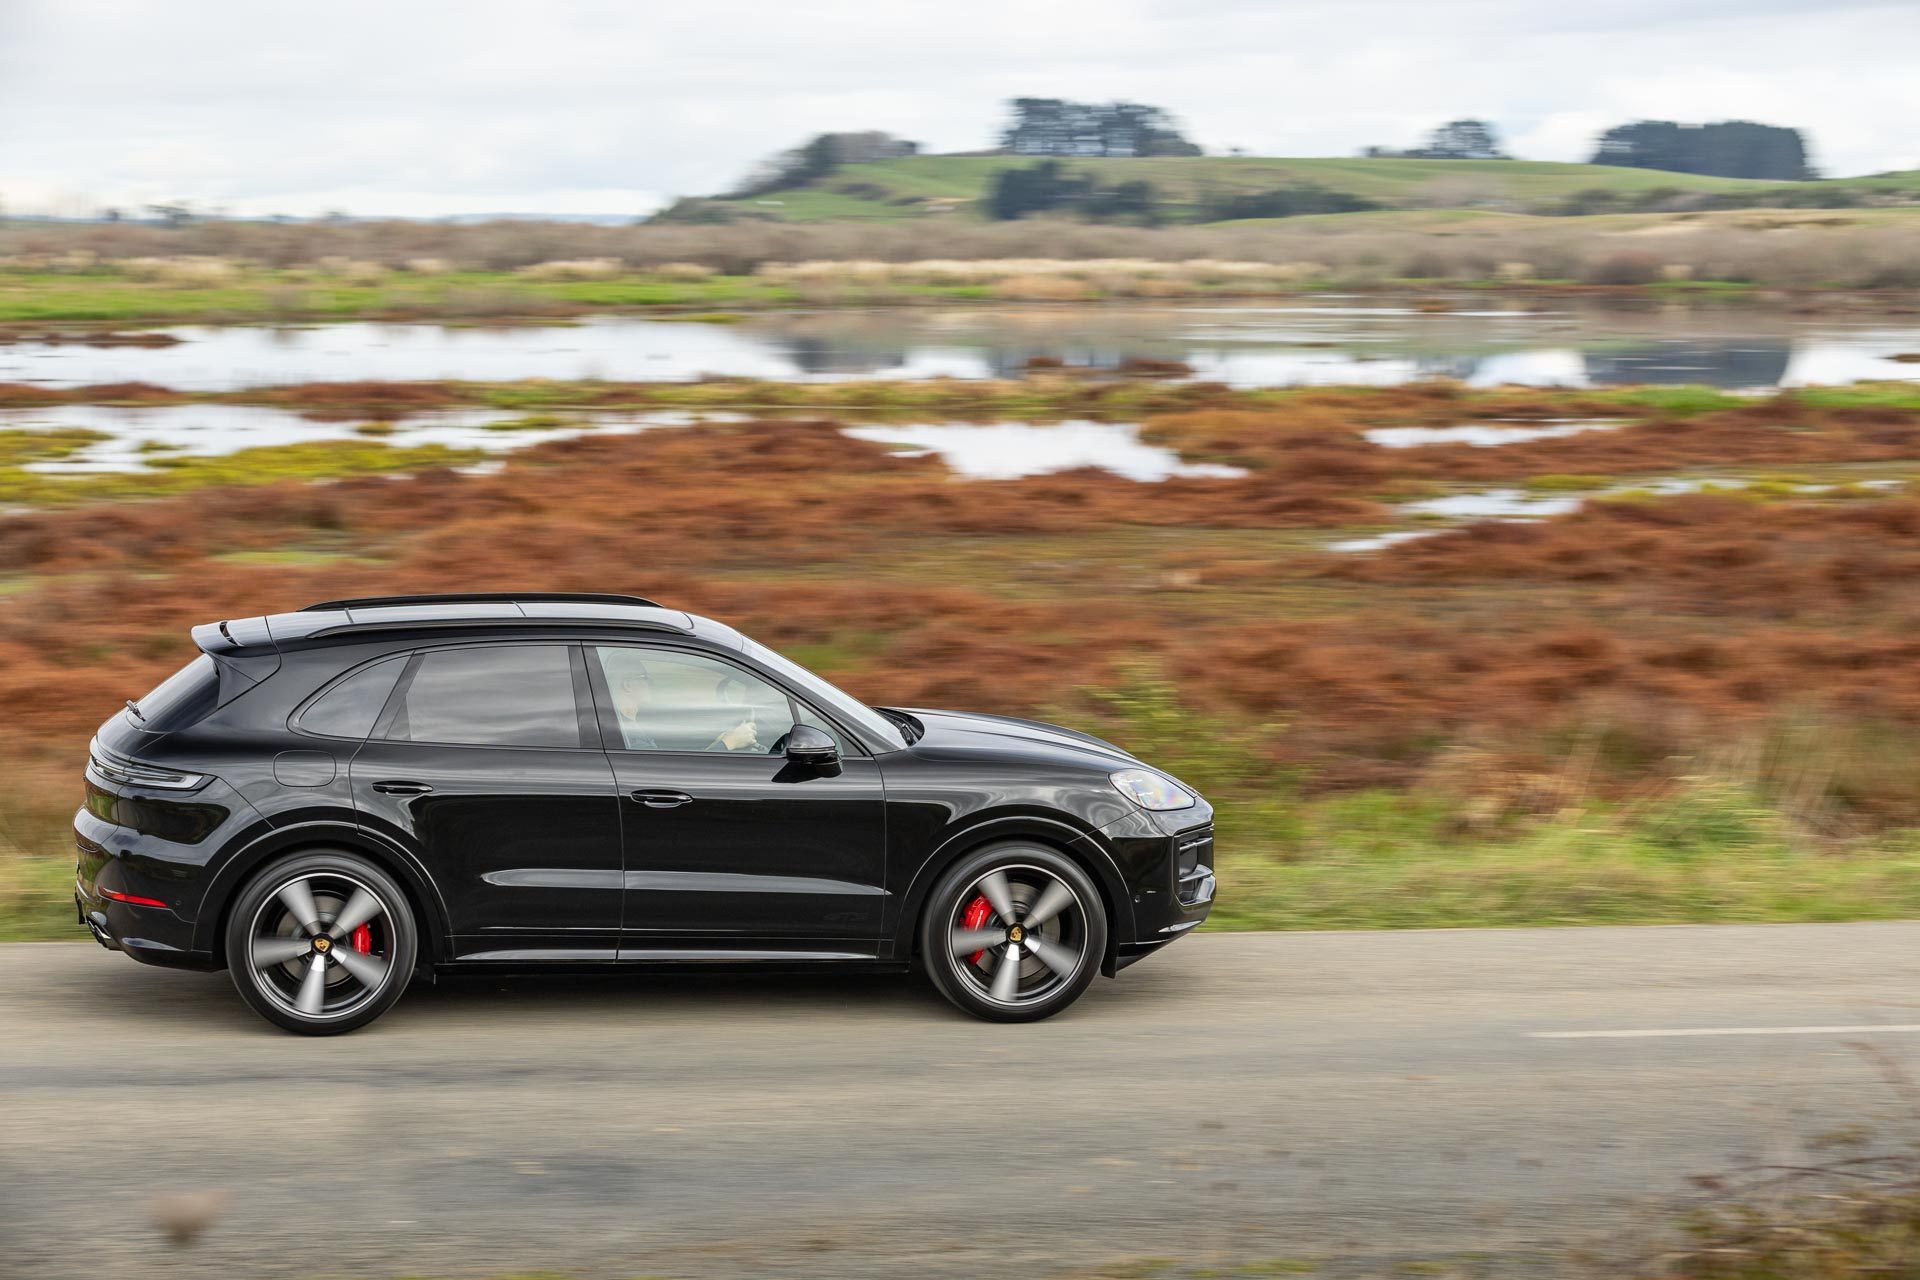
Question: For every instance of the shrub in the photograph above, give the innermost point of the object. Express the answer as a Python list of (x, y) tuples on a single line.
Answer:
[(1042, 289), (575, 269), (1627, 267)]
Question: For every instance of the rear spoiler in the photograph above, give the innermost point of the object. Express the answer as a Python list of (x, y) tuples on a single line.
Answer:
[(243, 650)]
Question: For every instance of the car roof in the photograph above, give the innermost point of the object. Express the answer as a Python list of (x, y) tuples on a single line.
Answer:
[(337, 620)]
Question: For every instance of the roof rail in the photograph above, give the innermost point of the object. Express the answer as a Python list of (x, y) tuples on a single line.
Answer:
[(484, 597), (437, 624)]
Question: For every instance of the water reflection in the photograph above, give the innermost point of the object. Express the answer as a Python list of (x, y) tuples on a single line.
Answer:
[(1329, 340), (135, 436), (1484, 435), (1010, 450)]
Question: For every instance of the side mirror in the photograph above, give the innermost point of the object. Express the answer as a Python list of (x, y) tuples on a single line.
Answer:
[(812, 747)]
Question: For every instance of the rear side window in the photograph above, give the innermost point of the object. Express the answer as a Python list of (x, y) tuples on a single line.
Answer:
[(183, 698), (349, 709), (499, 696)]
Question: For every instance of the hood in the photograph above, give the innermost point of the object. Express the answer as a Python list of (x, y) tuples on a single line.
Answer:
[(964, 731)]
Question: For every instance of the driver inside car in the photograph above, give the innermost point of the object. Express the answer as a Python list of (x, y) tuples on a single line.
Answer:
[(633, 695)]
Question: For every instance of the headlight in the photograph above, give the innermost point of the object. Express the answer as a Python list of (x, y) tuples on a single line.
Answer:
[(1151, 790)]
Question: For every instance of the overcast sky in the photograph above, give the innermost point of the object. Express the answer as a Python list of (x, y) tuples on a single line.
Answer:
[(426, 107)]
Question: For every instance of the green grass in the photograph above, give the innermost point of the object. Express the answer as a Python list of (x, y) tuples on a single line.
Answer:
[(172, 474), (1705, 849), (1709, 852), (1184, 179), (106, 298)]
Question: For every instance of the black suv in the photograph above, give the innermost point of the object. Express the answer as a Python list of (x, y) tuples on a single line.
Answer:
[(332, 801)]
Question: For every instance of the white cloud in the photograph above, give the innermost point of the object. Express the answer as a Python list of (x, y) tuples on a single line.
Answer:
[(611, 105)]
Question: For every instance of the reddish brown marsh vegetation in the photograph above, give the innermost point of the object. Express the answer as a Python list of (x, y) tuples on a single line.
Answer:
[(1647, 629)]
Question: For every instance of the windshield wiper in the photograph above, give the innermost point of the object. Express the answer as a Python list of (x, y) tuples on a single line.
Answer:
[(135, 708), (910, 729)]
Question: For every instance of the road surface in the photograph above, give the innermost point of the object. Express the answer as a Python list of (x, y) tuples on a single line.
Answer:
[(1361, 1099)]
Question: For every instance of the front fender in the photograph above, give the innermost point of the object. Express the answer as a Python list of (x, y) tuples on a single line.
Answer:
[(1087, 848)]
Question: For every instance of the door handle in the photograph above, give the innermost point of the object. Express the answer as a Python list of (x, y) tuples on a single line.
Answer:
[(402, 788), (662, 799)]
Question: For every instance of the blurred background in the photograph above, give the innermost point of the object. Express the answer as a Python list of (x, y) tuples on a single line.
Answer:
[(1476, 445)]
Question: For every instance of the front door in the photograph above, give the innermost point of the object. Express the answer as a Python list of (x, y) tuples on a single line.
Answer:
[(729, 847), (486, 762)]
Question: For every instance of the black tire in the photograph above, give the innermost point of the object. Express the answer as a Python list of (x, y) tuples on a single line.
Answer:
[(274, 956), (1058, 955)]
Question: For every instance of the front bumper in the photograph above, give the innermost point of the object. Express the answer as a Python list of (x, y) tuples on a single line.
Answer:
[(1167, 860)]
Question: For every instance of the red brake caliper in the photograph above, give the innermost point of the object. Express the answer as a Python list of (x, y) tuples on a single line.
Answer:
[(363, 940), (975, 917)]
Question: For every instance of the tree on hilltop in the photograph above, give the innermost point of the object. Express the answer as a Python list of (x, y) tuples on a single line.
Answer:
[(1057, 127), (1727, 149)]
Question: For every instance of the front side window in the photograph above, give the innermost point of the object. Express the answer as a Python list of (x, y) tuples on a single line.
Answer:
[(669, 701), (496, 696), (858, 713)]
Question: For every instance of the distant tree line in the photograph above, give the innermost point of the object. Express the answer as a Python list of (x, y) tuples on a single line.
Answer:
[(1281, 202), (1057, 127), (1055, 130), (1455, 140), (818, 157), (1729, 149), (1048, 187)]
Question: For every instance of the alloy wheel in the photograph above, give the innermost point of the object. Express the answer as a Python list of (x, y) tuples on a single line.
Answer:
[(320, 945), (1019, 935)]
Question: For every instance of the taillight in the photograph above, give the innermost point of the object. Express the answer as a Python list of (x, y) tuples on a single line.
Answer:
[(134, 774), (131, 899)]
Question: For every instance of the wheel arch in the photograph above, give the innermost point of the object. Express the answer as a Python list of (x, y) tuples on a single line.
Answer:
[(1069, 842), (428, 908)]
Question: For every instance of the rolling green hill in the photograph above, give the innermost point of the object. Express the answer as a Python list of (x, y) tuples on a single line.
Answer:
[(919, 185)]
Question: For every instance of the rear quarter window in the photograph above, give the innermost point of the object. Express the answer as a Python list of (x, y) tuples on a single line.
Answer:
[(349, 709), (183, 698)]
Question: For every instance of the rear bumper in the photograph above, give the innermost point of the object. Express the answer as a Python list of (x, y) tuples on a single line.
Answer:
[(111, 861)]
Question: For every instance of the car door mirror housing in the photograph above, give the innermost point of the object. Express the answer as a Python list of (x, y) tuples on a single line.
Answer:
[(810, 746)]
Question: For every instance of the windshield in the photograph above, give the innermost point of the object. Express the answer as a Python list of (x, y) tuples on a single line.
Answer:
[(869, 721)]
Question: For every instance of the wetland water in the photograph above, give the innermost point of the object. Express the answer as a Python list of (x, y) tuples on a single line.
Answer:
[(135, 438), (1301, 341)]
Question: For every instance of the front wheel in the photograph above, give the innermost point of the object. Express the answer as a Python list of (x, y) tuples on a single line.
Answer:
[(1013, 933), (321, 942)]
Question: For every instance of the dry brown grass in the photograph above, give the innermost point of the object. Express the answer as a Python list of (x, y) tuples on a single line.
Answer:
[(1779, 248)]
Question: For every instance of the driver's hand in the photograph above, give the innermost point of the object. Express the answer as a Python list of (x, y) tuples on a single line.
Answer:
[(741, 736)]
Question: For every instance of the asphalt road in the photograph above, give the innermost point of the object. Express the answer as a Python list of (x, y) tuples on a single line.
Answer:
[(1361, 1099)]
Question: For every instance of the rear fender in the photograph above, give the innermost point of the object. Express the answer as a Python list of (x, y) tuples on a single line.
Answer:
[(209, 934)]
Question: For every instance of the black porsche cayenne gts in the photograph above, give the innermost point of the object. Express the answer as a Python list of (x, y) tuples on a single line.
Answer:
[(333, 801)]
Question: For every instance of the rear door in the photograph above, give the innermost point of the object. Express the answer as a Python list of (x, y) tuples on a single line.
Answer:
[(487, 763)]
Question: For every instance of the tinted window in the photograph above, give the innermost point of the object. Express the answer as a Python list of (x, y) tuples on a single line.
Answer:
[(182, 698), (507, 695), (349, 709), (667, 701)]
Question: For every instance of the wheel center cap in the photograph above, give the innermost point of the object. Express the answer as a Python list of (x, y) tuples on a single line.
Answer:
[(323, 944), (1016, 934)]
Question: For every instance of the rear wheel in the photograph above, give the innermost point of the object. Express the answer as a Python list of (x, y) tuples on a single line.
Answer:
[(1013, 933), (321, 942)]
